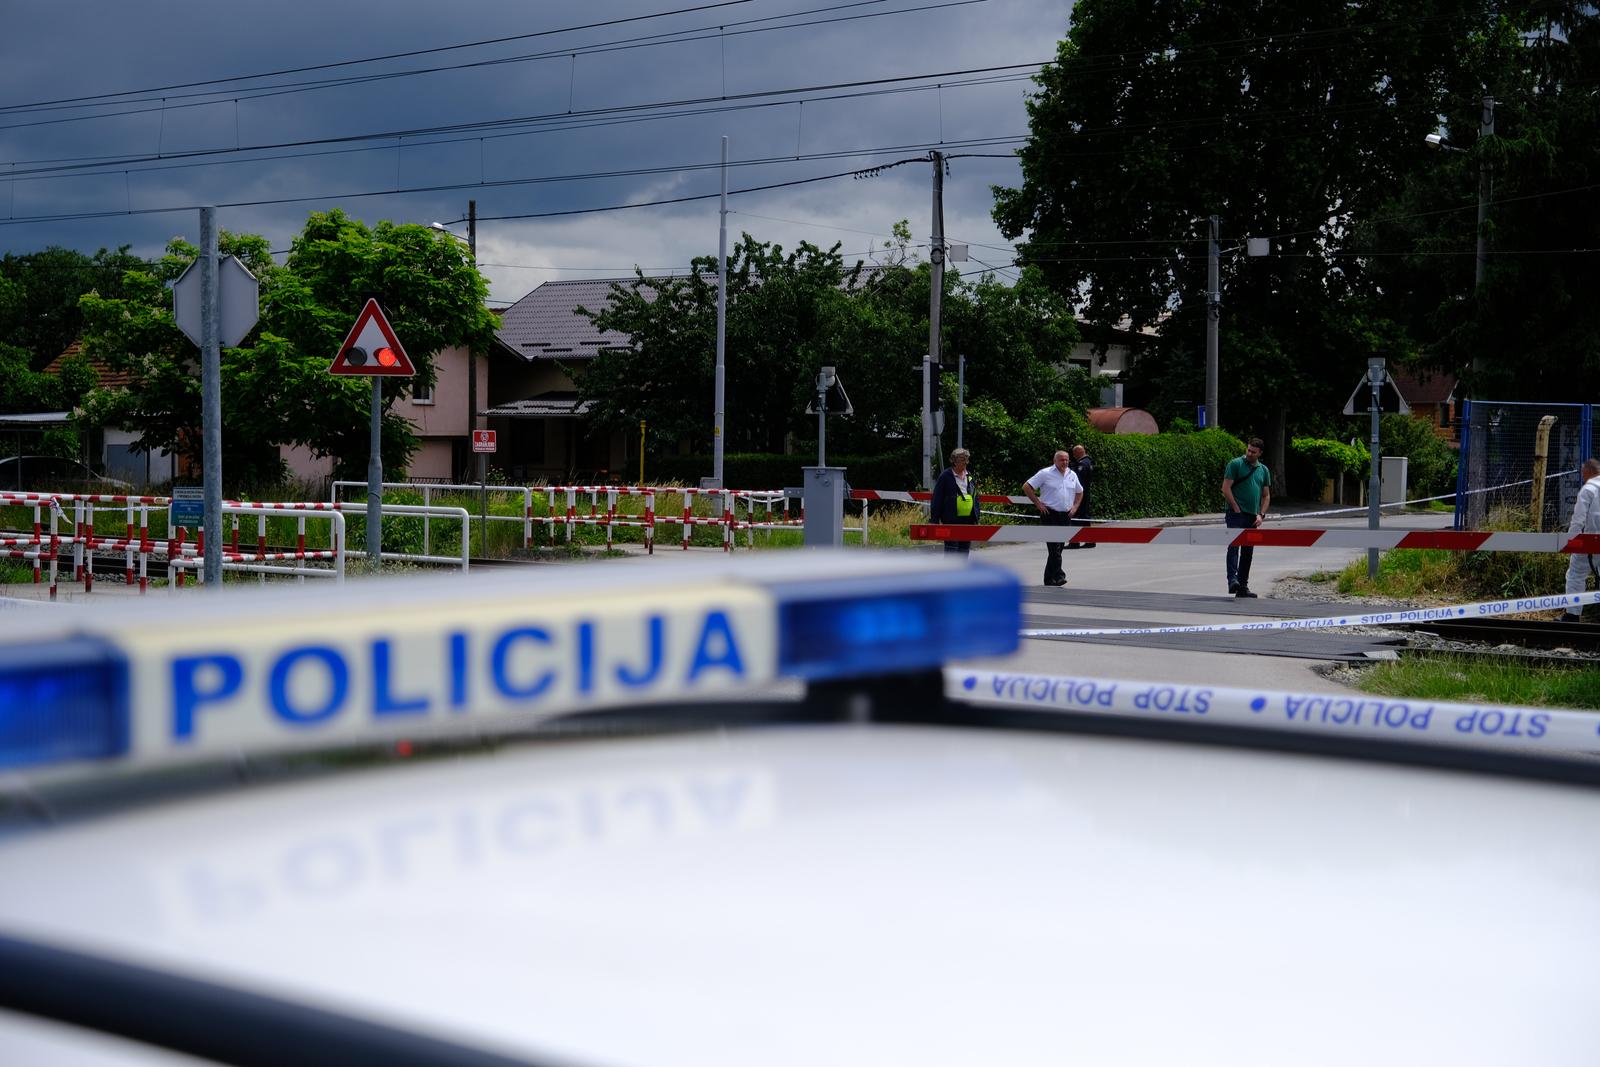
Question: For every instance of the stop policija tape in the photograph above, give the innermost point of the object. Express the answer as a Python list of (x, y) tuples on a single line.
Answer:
[(1268, 537), (1540, 729), (1479, 610)]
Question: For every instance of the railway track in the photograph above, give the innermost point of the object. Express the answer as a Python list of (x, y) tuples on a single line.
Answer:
[(1525, 633)]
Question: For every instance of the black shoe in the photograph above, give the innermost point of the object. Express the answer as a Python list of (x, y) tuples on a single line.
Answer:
[(1090, 544), (1244, 593), (1072, 545), (1055, 581), (1233, 588)]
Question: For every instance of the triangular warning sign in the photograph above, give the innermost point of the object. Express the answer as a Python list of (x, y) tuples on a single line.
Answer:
[(372, 348)]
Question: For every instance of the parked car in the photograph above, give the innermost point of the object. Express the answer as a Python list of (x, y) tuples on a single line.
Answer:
[(46, 474)]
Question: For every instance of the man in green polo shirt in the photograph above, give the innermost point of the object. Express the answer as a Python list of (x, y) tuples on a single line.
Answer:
[(1247, 487)]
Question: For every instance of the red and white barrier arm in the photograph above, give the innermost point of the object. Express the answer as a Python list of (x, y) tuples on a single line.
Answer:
[(1268, 537)]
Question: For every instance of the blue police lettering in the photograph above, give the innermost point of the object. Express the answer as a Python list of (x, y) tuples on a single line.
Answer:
[(310, 685), (338, 678), (1492, 609), (187, 693), (383, 701), (1344, 711), (1172, 698), (1492, 722)]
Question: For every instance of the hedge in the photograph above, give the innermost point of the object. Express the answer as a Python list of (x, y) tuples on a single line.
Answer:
[(1137, 476), (1145, 475)]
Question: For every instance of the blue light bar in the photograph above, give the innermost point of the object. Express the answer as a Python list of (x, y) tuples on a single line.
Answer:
[(859, 627), (62, 700)]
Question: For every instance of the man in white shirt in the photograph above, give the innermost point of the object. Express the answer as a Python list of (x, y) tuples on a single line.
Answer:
[(1585, 520), (1058, 494)]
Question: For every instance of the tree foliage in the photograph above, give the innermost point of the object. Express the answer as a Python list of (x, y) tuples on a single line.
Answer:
[(1532, 330), (275, 387), (1289, 120), (790, 313), (39, 294)]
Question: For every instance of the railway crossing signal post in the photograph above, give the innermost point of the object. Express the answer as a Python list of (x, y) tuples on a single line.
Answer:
[(1377, 394), (371, 349)]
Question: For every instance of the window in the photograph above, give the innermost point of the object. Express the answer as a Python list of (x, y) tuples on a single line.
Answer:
[(421, 394)]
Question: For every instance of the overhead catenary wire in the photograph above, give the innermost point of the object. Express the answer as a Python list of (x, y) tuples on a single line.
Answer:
[(164, 103)]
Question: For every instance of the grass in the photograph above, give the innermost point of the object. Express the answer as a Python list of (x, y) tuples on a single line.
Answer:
[(1445, 577), (1481, 680)]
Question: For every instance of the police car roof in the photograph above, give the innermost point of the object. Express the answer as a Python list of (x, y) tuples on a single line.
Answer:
[(796, 894), (804, 895)]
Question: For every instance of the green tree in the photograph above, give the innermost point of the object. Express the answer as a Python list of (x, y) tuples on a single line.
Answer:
[(786, 317), (429, 289), (275, 387), (1289, 120), (1531, 331), (39, 294)]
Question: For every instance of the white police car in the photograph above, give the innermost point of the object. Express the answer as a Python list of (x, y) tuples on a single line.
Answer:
[(738, 815)]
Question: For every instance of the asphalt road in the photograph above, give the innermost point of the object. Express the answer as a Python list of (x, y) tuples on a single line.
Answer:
[(1180, 569)]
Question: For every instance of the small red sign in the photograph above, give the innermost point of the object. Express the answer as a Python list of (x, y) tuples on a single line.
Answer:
[(372, 349), (483, 441)]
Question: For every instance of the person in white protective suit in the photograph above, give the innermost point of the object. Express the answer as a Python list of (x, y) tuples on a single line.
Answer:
[(1585, 520)]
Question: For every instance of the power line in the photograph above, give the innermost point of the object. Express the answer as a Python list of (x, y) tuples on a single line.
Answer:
[(71, 216), (380, 58), (492, 124), (650, 41)]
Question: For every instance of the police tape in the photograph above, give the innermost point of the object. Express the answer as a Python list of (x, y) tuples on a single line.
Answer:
[(1402, 616), (1543, 729)]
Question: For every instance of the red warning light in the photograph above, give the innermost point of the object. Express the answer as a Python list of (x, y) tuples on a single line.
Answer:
[(386, 357)]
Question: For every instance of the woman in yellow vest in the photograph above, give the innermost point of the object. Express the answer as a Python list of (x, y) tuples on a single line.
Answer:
[(955, 498)]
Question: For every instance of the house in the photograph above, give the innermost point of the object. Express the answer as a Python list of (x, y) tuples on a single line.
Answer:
[(110, 450), (533, 399), (1431, 396), (439, 417)]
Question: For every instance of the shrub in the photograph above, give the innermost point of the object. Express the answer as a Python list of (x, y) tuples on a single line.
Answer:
[(1432, 470), (1143, 475), (1313, 461)]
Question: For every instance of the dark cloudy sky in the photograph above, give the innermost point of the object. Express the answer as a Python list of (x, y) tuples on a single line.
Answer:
[(118, 120)]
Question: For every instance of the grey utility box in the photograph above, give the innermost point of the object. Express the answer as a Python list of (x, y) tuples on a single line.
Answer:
[(824, 504)]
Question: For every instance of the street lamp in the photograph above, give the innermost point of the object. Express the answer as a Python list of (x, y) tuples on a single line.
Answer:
[(471, 241), (1253, 246), (1476, 458)]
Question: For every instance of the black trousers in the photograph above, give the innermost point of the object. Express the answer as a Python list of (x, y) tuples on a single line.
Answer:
[(959, 548), (1239, 558), (1052, 560)]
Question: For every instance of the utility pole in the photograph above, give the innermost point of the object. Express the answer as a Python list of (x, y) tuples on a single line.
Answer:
[(935, 312), (1485, 192), (961, 394), (472, 397), (722, 321), (211, 393), (1375, 379), (1213, 319), (1477, 428)]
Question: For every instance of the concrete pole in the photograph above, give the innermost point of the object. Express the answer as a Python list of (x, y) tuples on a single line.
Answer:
[(472, 397), (1375, 376), (1213, 320), (961, 394), (211, 393), (722, 321), (1476, 510), (935, 314), (375, 478), (1485, 192)]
